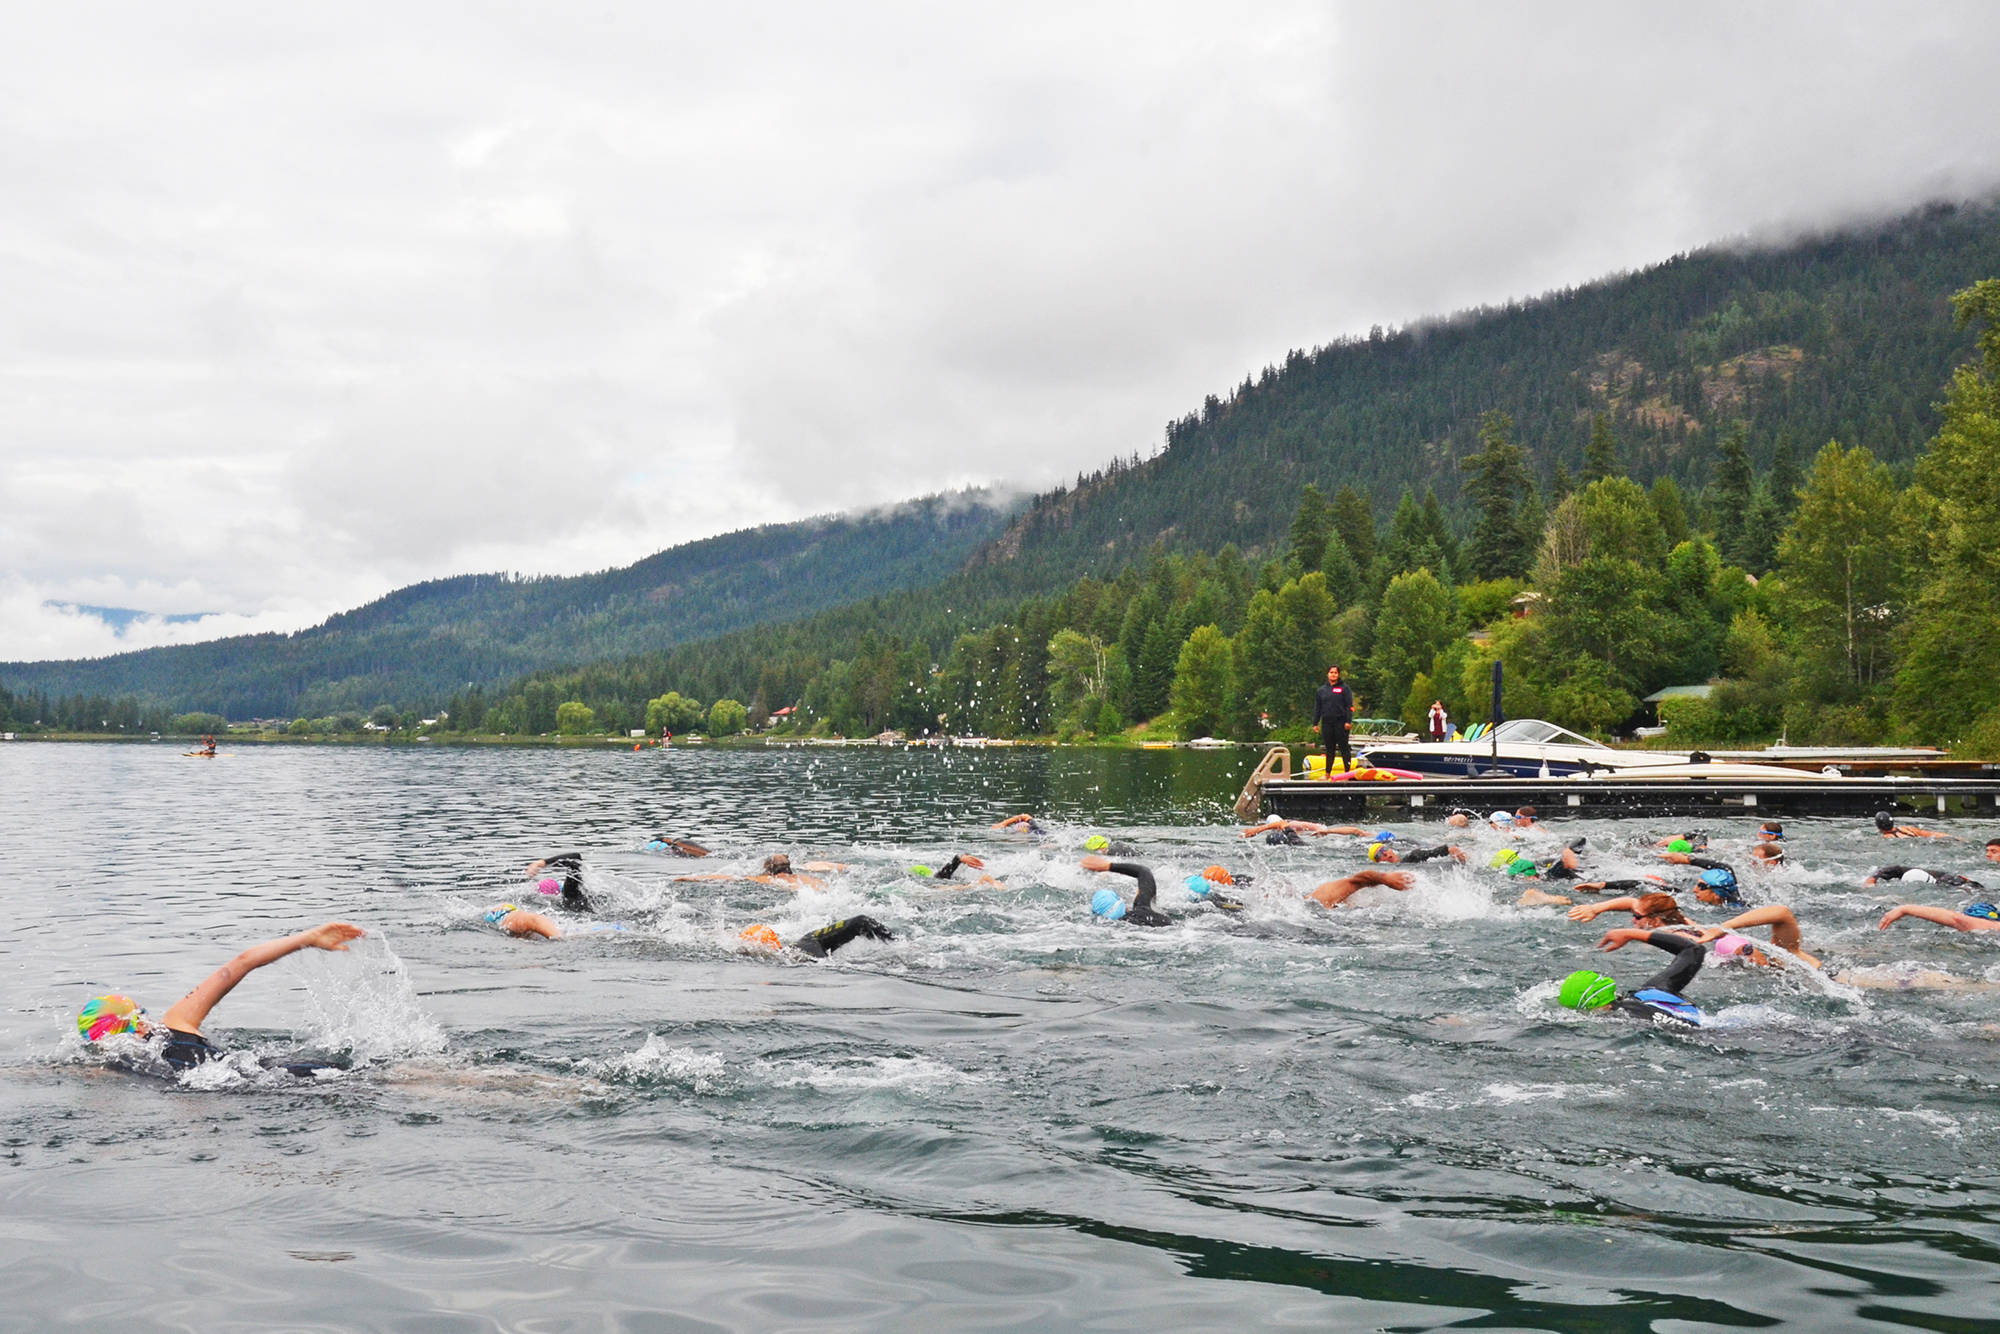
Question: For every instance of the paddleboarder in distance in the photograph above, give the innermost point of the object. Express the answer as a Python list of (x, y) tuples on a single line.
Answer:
[(1333, 710)]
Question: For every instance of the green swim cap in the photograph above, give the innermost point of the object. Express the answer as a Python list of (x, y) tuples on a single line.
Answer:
[(1503, 857), (1096, 843), (1680, 845), (1585, 990), (1522, 866), (921, 869)]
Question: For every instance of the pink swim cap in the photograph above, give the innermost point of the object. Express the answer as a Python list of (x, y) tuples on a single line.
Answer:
[(1729, 946), (550, 886)]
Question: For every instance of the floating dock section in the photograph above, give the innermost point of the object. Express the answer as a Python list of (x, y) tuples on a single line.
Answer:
[(1273, 791)]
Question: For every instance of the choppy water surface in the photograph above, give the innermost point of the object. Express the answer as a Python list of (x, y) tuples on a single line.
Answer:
[(1010, 1117)]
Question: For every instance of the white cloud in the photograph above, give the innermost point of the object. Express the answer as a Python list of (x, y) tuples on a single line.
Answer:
[(306, 305)]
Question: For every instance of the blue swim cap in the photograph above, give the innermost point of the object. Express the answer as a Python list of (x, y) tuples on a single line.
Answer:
[(498, 913), (1986, 910), (1197, 885), (654, 845), (1722, 881), (1106, 903), (1383, 836)]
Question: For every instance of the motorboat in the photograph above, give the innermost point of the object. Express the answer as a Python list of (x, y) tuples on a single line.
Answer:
[(1532, 748)]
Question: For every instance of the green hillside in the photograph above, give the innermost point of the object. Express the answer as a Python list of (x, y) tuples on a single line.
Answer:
[(420, 643)]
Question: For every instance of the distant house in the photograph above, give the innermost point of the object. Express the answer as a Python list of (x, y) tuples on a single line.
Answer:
[(1676, 692), (1526, 604)]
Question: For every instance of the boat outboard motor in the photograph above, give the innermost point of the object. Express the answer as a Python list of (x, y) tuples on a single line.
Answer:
[(1698, 757)]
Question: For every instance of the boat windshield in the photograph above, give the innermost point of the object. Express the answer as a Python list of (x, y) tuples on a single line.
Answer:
[(1535, 732)]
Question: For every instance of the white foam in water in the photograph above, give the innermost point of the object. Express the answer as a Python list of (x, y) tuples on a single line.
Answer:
[(360, 1000), (702, 1072), (915, 1074)]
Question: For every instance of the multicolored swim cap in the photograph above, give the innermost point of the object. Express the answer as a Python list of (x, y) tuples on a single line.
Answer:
[(549, 886), (1986, 910), (1503, 858), (1197, 885), (1375, 851), (1585, 990), (921, 870), (499, 911), (1106, 903), (1679, 845), (106, 1016), (761, 936), (1096, 843)]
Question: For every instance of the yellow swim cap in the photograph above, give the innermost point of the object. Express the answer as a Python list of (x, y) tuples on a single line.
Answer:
[(761, 936), (1375, 851)]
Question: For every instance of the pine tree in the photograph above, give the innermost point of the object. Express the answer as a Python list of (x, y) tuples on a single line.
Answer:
[(1500, 489), (1785, 479), (1600, 455), (1311, 526), (1729, 495), (1354, 521)]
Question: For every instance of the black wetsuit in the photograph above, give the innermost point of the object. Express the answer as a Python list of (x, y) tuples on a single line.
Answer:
[(827, 939), (1141, 912), (185, 1051), (1951, 878), (1333, 710), (571, 865), (1283, 838), (1669, 985), (1415, 855)]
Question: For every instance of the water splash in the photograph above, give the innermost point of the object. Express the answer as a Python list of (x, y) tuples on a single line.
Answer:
[(361, 1001)]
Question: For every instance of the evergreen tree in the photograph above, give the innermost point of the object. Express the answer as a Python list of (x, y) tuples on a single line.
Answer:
[(1729, 496), (1671, 510), (1499, 487), (1785, 479), (1600, 454), (1311, 526), (1354, 522)]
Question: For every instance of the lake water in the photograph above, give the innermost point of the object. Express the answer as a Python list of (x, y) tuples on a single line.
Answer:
[(1010, 1117)]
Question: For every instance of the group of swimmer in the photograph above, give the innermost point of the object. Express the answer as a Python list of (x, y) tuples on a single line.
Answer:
[(1658, 919)]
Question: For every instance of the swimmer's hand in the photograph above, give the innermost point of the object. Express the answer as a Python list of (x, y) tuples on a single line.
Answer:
[(1708, 935), (1895, 914), (976, 863), (1584, 912), (332, 936), (534, 866), (1095, 863), (1620, 936)]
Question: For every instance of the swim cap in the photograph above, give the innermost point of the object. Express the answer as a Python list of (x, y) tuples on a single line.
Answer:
[(106, 1016), (1219, 874), (1197, 885), (1106, 903), (1722, 881), (1375, 851), (1679, 845), (1986, 910), (549, 886), (1096, 843), (1503, 858), (921, 870), (1383, 837), (499, 911), (1918, 875), (1500, 817), (1884, 821), (761, 936), (1522, 866), (1731, 945), (1585, 990)]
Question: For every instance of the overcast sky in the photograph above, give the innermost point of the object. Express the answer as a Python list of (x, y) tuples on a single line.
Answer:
[(299, 304)]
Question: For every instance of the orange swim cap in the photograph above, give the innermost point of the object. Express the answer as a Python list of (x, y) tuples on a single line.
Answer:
[(761, 936), (1219, 874)]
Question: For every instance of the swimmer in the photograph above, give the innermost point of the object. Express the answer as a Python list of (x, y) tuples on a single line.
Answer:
[(518, 921), (1919, 875), (1695, 840), (1976, 917), (1993, 849), (1562, 866), (777, 871), (1651, 910), (1210, 880), (1725, 942), (1098, 843), (1767, 854), (1659, 998), (1717, 883), (1885, 823), (1105, 903), (1524, 818), (1460, 818), (1276, 828), (1336, 892), (571, 888), (1020, 824), (1770, 832), (185, 1047), (817, 944), (1383, 850), (675, 847), (951, 869)]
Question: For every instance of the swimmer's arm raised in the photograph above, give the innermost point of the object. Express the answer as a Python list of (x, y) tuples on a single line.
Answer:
[(1942, 916), (1584, 912), (185, 1015)]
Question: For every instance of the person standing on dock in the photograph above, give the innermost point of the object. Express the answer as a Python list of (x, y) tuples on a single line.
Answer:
[(1440, 722), (1333, 710)]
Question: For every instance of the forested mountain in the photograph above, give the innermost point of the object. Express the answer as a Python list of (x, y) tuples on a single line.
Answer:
[(1846, 336), (420, 643)]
